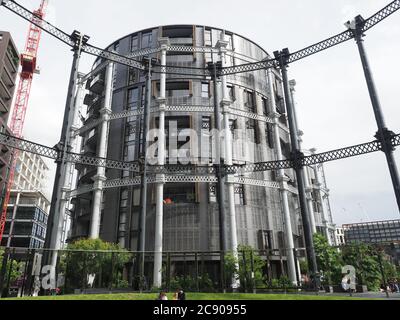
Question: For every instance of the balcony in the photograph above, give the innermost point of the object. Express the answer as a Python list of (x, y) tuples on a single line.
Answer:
[(91, 140), (8, 78), (4, 90), (87, 174), (3, 106), (97, 84), (11, 62)]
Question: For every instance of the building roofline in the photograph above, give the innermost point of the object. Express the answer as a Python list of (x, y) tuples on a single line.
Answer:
[(188, 25), (367, 223), (31, 192)]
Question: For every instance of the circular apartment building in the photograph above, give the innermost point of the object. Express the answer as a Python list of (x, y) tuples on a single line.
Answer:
[(182, 212)]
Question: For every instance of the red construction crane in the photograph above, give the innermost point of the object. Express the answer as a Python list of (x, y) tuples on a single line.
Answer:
[(28, 64)]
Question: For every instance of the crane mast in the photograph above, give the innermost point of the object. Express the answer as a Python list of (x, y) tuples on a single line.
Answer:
[(16, 124)]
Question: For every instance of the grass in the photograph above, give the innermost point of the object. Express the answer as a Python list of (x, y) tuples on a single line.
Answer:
[(191, 296)]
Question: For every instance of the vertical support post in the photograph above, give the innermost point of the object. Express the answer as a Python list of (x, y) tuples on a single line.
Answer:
[(112, 271), (321, 199), (296, 261), (100, 177), (9, 273), (168, 271), (220, 185), (158, 239), (244, 270), (297, 155), (143, 183), (3, 270), (56, 220), (283, 183), (228, 140), (292, 85), (11, 232), (222, 271), (382, 272), (383, 134), (252, 275), (196, 261)]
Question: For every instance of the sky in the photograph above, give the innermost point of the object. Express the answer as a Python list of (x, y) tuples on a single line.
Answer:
[(332, 99)]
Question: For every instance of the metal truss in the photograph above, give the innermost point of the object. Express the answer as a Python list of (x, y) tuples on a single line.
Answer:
[(172, 169), (176, 48), (44, 25), (381, 15), (249, 67), (256, 182), (66, 38), (173, 108), (320, 46), (54, 153), (189, 108), (27, 146), (259, 167), (100, 162), (143, 52), (250, 115), (342, 153), (193, 71)]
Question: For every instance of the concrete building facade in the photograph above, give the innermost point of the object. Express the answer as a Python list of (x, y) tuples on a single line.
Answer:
[(9, 64), (28, 208), (182, 210)]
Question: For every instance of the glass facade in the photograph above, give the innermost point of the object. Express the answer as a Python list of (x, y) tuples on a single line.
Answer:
[(373, 232)]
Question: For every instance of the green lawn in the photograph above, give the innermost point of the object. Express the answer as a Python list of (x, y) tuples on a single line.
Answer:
[(191, 296)]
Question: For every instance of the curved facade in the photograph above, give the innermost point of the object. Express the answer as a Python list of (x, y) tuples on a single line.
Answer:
[(254, 105)]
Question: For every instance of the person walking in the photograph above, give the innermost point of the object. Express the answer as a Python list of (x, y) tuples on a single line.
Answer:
[(162, 296), (181, 295)]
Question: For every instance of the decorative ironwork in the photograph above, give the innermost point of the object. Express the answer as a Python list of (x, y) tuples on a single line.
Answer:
[(28, 146), (381, 15), (54, 153), (196, 71)]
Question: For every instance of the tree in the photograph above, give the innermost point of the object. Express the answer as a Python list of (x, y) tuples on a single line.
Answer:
[(249, 261), (364, 259), (15, 266), (93, 256), (328, 260)]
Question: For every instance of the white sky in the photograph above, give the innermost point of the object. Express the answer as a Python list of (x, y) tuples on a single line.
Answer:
[(334, 109)]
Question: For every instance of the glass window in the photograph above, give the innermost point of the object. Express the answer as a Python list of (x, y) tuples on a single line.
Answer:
[(179, 193), (265, 106), (129, 153), (239, 195), (134, 43), (177, 89), (178, 32), (147, 39), (269, 135), (249, 103), (133, 97), (132, 76), (205, 92), (251, 129), (231, 93), (207, 38)]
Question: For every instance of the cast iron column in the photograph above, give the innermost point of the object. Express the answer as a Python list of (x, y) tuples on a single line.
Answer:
[(213, 67), (383, 134), (282, 57), (63, 146), (143, 183)]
